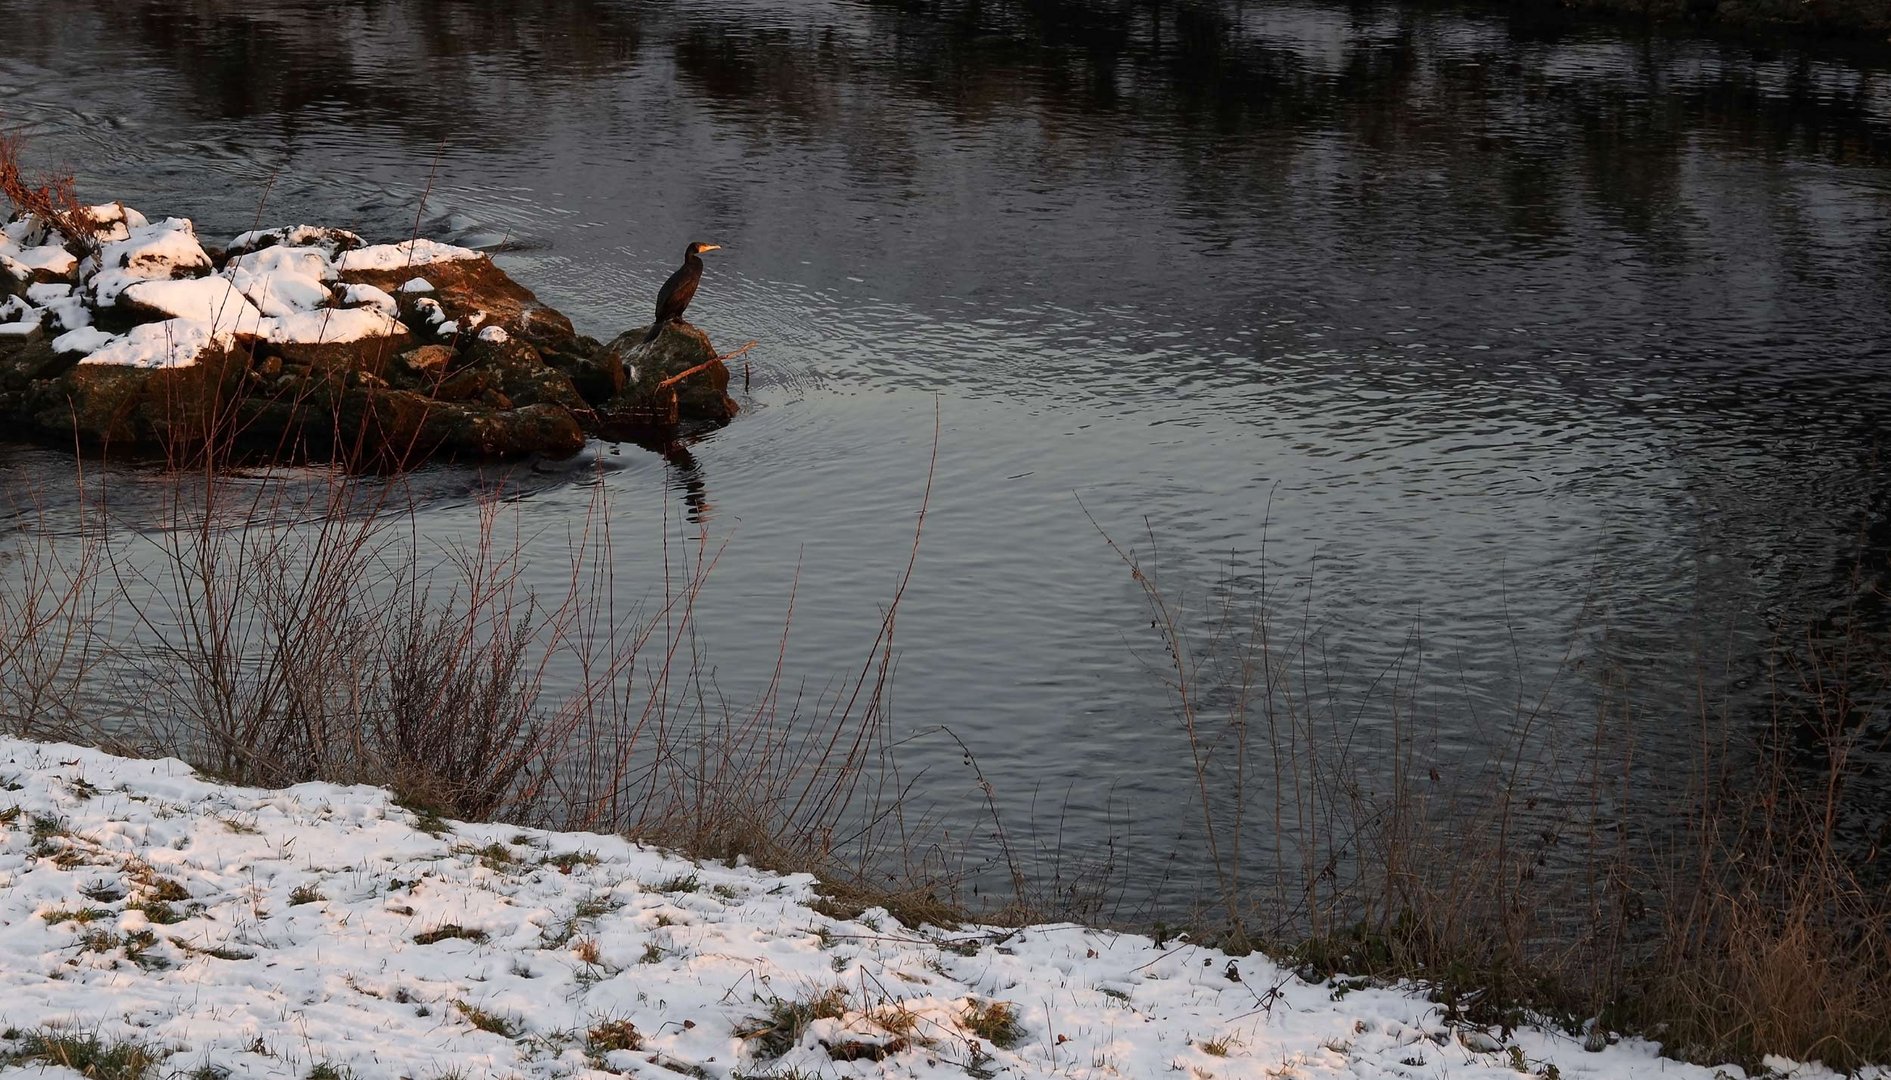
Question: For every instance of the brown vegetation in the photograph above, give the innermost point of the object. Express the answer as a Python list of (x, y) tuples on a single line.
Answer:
[(51, 197), (1730, 925)]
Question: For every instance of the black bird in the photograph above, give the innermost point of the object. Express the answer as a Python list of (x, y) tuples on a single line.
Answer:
[(680, 289)]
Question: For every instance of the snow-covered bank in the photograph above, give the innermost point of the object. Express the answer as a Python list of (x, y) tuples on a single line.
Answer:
[(245, 932)]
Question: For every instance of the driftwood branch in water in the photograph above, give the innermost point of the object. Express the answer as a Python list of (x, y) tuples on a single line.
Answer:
[(687, 372)]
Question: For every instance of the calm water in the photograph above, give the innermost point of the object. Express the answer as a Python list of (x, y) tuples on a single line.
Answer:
[(1439, 336)]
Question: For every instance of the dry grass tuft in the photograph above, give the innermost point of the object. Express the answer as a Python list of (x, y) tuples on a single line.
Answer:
[(1511, 886), (450, 932), (996, 1022), (88, 1055), (608, 1035), (787, 1020)]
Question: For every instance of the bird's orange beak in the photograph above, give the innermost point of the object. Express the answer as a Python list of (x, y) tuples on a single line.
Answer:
[(712, 247)]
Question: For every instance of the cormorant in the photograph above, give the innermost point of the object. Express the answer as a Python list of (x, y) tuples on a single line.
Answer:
[(679, 290)]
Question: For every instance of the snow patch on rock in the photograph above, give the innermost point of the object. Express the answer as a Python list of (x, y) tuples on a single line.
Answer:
[(116, 221), (404, 254), (211, 300), (329, 326), (157, 252), (64, 303), (83, 339), (173, 343), (16, 310), (330, 241), (282, 281), (40, 260), (369, 296)]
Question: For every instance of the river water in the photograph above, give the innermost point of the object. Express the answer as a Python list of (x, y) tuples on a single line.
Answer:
[(1544, 358)]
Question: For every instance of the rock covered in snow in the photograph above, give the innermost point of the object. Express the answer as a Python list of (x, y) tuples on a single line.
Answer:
[(83, 341), (172, 343), (14, 309), (18, 319), (21, 267), (368, 296), (283, 280), (63, 304), (115, 221), (211, 300), (162, 251), (332, 242), (401, 256)]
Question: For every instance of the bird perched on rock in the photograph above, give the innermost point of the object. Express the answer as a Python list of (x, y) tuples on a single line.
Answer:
[(680, 289)]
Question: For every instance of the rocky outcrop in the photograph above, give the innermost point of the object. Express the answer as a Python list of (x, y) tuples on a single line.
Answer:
[(307, 342), (673, 382)]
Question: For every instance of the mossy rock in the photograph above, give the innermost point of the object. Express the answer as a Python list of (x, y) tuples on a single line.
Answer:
[(24, 361), (396, 428), (597, 375), (521, 374), (106, 404)]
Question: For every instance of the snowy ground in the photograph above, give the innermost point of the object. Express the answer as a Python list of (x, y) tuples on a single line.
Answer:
[(323, 932)]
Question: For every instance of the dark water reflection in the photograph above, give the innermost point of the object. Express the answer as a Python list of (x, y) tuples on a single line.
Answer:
[(1517, 339)]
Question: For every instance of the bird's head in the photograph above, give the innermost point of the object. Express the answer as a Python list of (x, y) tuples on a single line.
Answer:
[(699, 247)]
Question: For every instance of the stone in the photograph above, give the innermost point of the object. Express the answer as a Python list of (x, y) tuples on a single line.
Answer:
[(162, 409), (331, 241), (465, 288), (422, 367), (470, 384), (15, 276), (696, 401), (23, 331), (521, 374), (598, 376), (339, 338), (398, 428), (26, 361)]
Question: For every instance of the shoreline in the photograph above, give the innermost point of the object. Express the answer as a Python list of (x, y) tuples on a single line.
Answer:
[(323, 931)]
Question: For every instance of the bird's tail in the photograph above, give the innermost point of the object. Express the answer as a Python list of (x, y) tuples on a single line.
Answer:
[(655, 329)]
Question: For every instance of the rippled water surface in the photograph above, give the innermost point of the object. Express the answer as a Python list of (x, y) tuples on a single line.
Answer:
[(1481, 345)]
